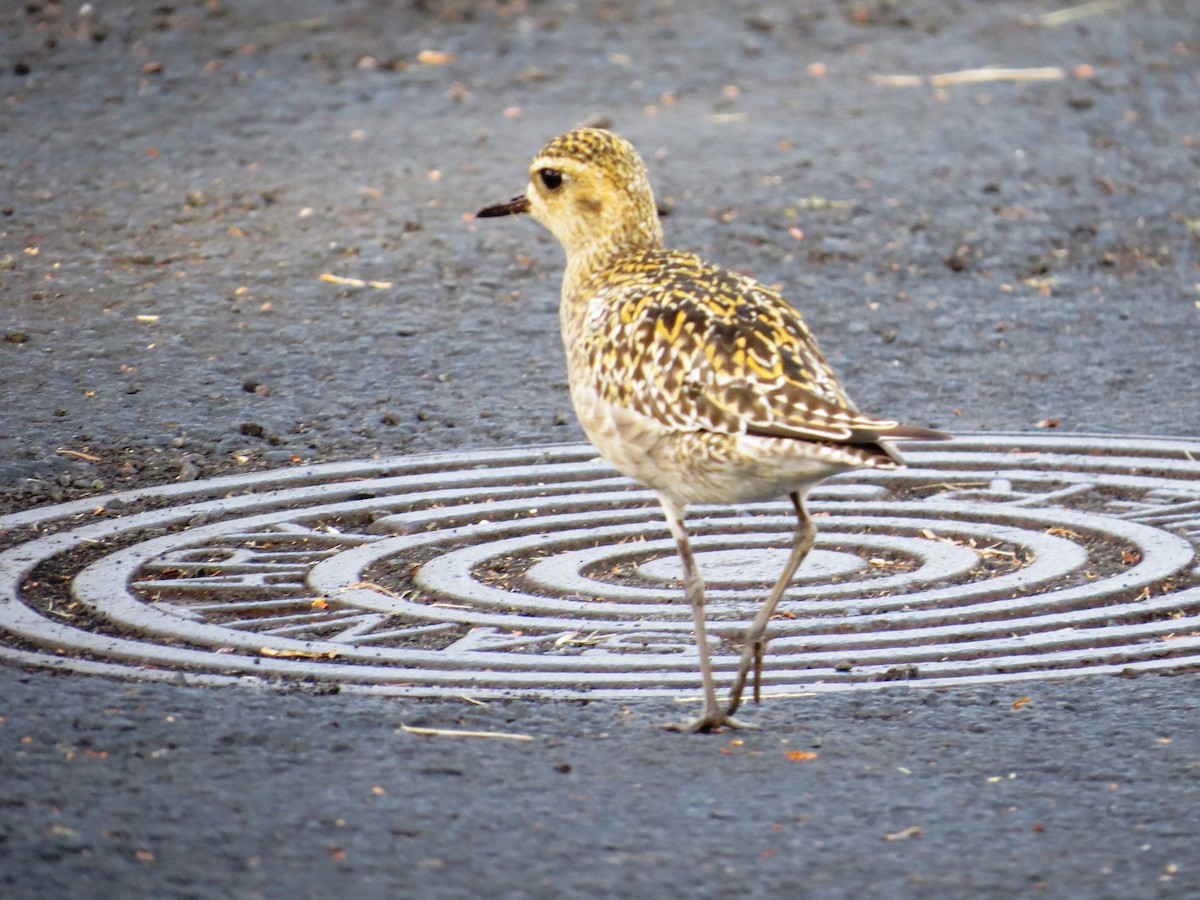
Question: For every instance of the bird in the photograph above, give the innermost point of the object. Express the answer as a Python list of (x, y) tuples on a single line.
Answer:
[(694, 380)]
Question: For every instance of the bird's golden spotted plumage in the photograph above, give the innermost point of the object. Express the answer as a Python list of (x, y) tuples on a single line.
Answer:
[(703, 349), (695, 380)]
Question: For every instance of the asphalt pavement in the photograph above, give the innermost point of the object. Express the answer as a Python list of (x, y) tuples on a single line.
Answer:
[(238, 236)]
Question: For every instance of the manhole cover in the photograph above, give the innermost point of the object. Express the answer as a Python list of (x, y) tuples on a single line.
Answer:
[(538, 571)]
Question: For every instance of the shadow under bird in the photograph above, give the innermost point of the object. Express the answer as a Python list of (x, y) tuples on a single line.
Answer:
[(694, 380)]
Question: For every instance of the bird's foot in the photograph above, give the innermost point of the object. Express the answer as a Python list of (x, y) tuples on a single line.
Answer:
[(710, 720)]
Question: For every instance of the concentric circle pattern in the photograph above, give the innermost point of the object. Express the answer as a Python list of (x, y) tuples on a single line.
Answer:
[(539, 571)]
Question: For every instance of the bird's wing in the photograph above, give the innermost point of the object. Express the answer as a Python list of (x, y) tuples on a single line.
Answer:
[(700, 348)]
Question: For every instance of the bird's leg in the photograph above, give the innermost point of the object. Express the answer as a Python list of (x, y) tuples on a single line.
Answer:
[(755, 640), (693, 586)]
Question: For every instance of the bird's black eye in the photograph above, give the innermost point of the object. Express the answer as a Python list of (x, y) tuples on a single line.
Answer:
[(551, 178)]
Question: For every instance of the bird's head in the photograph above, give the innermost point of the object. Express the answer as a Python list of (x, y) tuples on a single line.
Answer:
[(590, 188)]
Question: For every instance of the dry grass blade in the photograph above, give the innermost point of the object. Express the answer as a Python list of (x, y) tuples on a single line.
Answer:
[(372, 586), (297, 654), (971, 76), (338, 279), (353, 282), (996, 73), (447, 732), (904, 833), (897, 80), (1071, 13)]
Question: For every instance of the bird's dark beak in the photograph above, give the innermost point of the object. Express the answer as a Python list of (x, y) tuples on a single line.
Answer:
[(511, 208)]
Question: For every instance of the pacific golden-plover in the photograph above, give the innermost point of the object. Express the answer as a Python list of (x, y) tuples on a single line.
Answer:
[(696, 381)]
